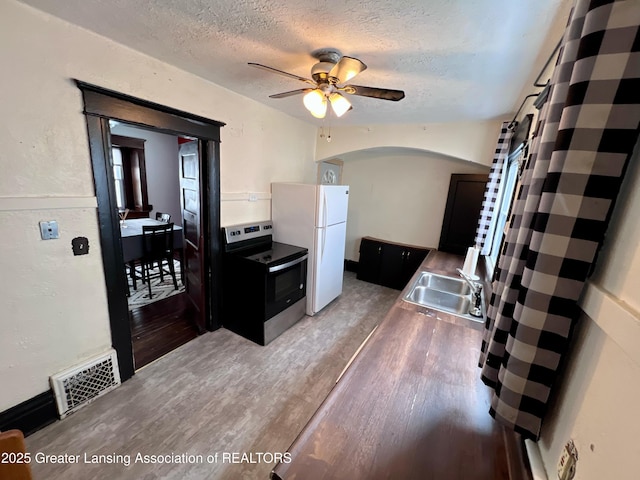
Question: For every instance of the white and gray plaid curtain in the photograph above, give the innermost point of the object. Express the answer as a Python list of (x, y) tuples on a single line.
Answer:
[(585, 135), (486, 225)]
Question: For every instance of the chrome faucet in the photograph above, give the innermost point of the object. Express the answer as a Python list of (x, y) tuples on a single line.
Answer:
[(474, 285), (475, 310)]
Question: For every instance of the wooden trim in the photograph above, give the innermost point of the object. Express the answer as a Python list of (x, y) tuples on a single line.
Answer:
[(112, 258), (130, 148), (128, 142), (142, 165), (211, 213), (521, 135), (101, 102), (100, 106), (30, 415)]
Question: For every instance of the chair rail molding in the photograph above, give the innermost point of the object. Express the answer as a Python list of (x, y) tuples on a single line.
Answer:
[(8, 204)]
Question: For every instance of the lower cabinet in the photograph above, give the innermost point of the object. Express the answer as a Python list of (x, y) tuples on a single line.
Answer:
[(387, 263)]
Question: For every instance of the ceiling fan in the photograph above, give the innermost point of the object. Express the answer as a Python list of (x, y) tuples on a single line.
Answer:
[(329, 75)]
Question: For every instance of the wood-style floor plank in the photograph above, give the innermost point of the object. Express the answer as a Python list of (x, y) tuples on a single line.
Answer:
[(217, 393)]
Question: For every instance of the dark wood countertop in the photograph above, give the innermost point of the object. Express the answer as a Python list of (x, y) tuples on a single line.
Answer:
[(410, 406)]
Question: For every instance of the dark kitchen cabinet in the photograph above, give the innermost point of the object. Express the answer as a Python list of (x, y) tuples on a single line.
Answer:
[(388, 263), (369, 262)]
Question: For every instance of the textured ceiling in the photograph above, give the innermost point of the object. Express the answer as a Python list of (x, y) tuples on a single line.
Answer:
[(456, 60)]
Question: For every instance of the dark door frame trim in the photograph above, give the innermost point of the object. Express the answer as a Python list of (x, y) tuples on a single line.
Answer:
[(101, 105)]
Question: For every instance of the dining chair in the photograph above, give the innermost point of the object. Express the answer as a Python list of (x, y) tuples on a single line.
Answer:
[(12, 443), (163, 217), (157, 248)]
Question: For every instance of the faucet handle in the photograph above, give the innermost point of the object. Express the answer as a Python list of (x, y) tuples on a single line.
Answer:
[(466, 276)]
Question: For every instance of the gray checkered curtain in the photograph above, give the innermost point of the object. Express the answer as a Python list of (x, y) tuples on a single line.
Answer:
[(585, 135), (492, 191)]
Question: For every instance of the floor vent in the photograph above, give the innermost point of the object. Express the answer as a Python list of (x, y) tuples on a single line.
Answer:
[(78, 386)]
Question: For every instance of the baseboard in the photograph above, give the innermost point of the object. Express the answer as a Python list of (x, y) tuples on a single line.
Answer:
[(31, 415), (351, 266), (517, 458), (535, 460)]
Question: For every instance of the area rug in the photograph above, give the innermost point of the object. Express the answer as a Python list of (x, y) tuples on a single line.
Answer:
[(159, 289)]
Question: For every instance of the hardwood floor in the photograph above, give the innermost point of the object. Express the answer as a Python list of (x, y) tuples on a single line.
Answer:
[(160, 327)]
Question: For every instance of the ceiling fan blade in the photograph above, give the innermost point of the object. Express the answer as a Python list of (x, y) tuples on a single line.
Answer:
[(280, 72), (291, 93), (381, 93), (346, 69)]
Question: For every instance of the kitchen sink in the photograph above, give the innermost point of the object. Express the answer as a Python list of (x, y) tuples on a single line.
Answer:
[(442, 283), (447, 302), (444, 294)]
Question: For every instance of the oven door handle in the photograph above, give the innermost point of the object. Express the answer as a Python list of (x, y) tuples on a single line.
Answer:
[(288, 264)]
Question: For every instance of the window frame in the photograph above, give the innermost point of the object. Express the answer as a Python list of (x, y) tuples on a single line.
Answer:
[(504, 204), (136, 196)]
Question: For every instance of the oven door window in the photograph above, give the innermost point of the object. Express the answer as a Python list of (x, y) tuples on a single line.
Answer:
[(285, 287)]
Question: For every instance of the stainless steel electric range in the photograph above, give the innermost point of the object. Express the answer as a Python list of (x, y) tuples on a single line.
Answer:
[(263, 282)]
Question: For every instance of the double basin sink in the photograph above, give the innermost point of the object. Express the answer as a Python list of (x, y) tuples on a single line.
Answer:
[(444, 294)]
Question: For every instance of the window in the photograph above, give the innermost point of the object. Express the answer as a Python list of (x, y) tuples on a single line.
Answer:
[(508, 184), (130, 175), (118, 175)]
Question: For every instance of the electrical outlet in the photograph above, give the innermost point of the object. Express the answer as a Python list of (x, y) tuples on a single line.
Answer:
[(253, 197), (568, 461)]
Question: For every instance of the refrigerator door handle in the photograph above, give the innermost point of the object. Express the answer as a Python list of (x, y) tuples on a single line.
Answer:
[(324, 242), (324, 210)]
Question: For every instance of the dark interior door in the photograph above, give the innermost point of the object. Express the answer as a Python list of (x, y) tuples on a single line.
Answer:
[(462, 212), (194, 245)]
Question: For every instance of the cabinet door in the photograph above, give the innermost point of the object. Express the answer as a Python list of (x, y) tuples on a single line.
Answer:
[(412, 260), (369, 261), (392, 265)]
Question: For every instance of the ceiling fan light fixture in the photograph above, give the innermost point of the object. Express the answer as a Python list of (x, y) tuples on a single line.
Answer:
[(316, 102), (339, 104), (349, 74)]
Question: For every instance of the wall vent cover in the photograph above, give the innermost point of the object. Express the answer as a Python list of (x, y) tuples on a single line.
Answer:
[(78, 386)]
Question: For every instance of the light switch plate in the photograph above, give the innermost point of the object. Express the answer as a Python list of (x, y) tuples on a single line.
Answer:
[(49, 230)]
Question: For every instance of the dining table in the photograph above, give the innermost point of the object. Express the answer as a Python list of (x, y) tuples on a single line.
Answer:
[(132, 242)]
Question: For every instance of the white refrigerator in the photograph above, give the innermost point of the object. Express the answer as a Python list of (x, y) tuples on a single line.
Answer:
[(315, 217)]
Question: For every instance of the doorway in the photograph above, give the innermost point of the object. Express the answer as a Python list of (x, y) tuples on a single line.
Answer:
[(199, 170), (147, 182)]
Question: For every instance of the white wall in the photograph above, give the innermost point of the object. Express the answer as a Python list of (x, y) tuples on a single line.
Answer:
[(161, 161), (398, 195), (54, 310), (598, 401), (472, 141)]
